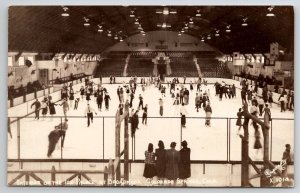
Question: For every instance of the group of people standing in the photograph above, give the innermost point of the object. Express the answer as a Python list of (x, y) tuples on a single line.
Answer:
[(168, 165)]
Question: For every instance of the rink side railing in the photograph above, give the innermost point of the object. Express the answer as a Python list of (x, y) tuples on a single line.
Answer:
[(15, 126)]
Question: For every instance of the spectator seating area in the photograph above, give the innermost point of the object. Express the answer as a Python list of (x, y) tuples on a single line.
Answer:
[(213, 68), (110, 67), (140, 67), (146, 54), (23, 90), (183, 66)]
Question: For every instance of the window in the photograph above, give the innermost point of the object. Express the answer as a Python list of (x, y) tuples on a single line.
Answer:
[(30, 58), (10, 61), (21, 61)]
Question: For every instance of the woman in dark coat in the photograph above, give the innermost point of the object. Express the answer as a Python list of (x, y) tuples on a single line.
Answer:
[(149, 170), (82, 92), (239, 119), (51, 108), (172, 161), (134, 123), (71, 98), (185, 162), (257, 143), (160, 162)]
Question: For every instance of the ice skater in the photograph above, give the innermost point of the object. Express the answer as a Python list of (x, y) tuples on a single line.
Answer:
[(82, 92), (106, 101), (239, 119), (53, 138), (208, 112), (76, 103), (65, 107), (89, 114), (37, 106), (161, 107), (183, 113), (144, 119)]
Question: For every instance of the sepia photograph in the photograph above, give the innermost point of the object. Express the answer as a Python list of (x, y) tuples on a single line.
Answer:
[(150, 96)]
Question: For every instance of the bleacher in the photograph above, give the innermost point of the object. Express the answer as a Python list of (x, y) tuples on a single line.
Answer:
[(110, 67), (143, 54), (212, 68), (183, 66), (140, 67)]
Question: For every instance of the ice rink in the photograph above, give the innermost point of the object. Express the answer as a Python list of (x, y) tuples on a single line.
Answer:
[(218, 142)]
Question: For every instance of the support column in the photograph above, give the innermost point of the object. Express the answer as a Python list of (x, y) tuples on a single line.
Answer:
[(126, 144), (117, 143)]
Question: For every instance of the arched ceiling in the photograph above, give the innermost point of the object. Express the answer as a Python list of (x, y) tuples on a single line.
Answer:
[(43, 29)]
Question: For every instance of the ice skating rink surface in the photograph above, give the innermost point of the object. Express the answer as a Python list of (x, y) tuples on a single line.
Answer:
[(218, 142)]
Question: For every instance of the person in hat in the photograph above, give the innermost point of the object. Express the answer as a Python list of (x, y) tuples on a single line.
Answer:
[(185, 162), (161, 107), (172, 161)]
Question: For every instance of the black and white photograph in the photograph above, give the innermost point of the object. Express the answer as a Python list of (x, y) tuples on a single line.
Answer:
[(150, 96)]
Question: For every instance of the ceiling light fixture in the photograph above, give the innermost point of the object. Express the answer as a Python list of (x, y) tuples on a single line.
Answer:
[(116, 37), (65, 13), (198, 14), (270, 13), (131, 14), (208, 37), (228, 28), (186, 26), (179, 34), (202, 39), (191, 21), (245, 22), (100, 28), (86, 22), (166, 11), (109, 33), (217, 33), (136, 21)]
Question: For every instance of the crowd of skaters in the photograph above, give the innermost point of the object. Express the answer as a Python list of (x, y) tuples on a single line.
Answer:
[(180, 94), (126, 94)]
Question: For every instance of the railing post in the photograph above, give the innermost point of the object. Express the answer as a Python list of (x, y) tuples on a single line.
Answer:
[(61, 141), (271, 140), (103, 138), (227, 140), (19, 140), (53, 177), (111, 172), (79, 178), (26, 179), (105, 176)]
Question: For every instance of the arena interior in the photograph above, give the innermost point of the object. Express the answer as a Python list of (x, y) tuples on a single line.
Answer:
[(64, 56)]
